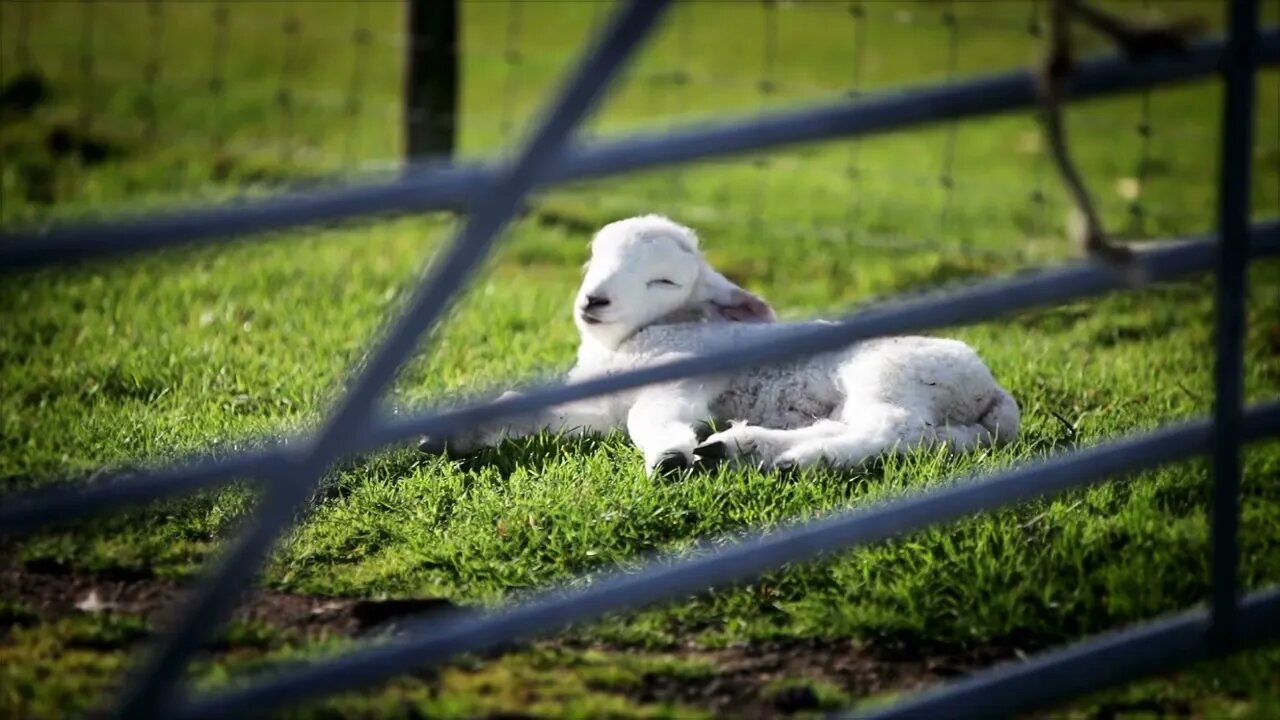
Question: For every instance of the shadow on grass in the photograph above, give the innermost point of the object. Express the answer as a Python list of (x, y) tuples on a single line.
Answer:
[(535, 453)]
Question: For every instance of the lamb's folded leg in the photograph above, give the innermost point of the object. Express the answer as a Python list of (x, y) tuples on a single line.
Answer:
[(579, 418), (871, 429), (761, 446), (662, 424)]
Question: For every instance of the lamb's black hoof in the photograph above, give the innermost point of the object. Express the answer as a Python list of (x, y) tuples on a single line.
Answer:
[(712, 451), (435, 446), (704, 430), (785, 467), (670, 463)]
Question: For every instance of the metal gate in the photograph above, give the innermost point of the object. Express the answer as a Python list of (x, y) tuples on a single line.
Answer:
[(491, 194)]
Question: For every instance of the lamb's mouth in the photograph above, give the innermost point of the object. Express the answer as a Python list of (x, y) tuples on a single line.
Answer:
[(590, 319)]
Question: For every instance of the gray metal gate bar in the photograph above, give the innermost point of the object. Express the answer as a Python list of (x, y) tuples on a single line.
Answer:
[(434, 187), (1093, 664), (977, 302), (1233, 242), (434, 642)]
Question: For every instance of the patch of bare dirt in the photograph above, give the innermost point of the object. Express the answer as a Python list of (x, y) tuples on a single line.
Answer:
[(737, 687), (52, 590)]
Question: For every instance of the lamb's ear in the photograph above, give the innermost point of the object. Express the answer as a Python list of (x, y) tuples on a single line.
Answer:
[(725, 301)]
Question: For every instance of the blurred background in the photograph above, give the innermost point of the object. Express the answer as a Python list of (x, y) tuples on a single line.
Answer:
[(141, 102)]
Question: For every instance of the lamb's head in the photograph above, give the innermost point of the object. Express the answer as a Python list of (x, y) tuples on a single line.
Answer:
[(648, 269)]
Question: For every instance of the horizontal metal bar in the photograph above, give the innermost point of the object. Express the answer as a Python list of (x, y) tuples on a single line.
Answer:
[(72, 500), (452, 187), (978, 302), (432, 643), (895, 111), (425, 188), (1094, 664)]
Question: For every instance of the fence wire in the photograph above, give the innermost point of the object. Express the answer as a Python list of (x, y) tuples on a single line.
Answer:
[(262, 129), (432, 187), (218, 75)]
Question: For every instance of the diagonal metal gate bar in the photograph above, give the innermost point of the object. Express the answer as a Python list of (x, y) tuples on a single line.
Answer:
[(156, 689), (1094, 664), (492, 194)]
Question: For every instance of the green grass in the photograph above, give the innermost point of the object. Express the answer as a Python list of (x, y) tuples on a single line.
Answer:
[(142, 360), (61, 667)]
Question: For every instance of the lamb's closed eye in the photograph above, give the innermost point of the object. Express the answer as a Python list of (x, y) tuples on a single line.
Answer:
[(663, 282)]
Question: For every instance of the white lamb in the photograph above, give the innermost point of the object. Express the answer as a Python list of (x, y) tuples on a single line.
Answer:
[(649, 297)]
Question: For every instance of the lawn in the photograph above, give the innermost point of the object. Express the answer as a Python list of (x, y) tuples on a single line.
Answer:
[(142, 360)]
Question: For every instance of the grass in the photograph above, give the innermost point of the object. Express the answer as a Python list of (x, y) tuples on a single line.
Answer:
[(61, 667), (142, 360)]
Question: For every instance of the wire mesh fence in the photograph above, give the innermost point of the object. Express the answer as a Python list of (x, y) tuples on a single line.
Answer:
[(236, 97), (494, 193)]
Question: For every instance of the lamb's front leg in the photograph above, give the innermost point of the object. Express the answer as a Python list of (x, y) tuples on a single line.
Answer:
[(662, 424)]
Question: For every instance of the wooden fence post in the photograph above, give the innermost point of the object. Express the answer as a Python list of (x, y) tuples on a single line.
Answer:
[(431, 78)]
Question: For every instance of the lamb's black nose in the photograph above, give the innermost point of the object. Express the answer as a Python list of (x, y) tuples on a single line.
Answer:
[(596, 301)]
